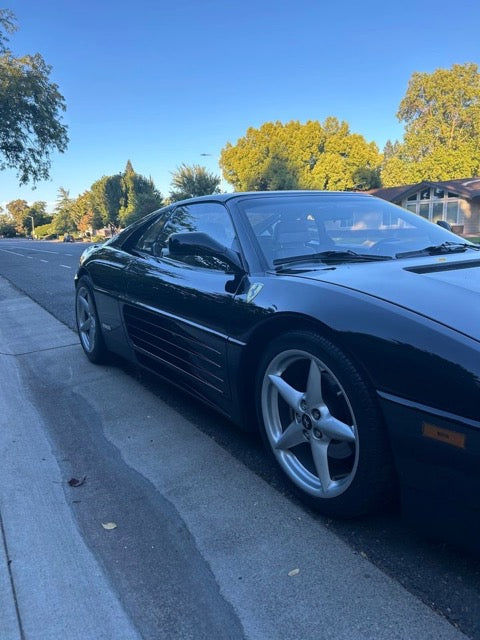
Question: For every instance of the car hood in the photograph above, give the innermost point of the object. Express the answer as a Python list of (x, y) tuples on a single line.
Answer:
[(445, 289)]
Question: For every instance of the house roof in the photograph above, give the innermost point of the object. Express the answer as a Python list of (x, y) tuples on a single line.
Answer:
[(468, 188)]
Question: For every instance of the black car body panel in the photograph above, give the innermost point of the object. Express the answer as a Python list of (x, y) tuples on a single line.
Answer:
[(411, 325)]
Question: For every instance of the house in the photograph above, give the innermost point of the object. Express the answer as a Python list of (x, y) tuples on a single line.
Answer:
[(456, 201)]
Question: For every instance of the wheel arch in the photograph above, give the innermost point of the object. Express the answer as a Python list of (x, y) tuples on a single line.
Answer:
[(80, 274), (259, 341)]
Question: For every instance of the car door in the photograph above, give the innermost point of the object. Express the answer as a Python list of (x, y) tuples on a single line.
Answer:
[(177, 311)]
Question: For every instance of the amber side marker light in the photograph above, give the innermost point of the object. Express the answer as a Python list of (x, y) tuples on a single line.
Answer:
[(444, 435)]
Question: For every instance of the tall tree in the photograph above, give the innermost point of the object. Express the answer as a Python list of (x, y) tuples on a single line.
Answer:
[(84, 215), (140, 196), (121, 199), (441, 112), (30, 111), (7, 226), (63, 221), (38, 210), (306, 156), (192, 181), (18, 211), (106, 197)]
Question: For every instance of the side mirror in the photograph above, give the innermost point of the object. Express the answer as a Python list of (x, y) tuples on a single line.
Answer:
[(444, 224), (201, 244)]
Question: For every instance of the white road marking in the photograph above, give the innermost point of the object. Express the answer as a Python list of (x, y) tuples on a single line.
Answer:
[(14, 253), (65, 266), (43, 260), (32, 249)]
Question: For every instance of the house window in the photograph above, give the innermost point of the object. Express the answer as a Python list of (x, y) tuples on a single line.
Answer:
[(434, 204)]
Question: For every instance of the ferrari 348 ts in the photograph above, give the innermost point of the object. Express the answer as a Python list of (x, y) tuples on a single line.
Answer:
[(343, 327)]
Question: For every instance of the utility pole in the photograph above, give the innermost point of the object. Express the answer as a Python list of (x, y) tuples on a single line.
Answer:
[(33, 226)]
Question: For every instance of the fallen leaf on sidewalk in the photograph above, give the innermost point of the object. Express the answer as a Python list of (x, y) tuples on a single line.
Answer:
[(109, 525), (76, 482), (294, 572)]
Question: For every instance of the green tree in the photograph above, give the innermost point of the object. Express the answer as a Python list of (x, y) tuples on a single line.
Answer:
[(441, 112), (21, 213), (63, 221), (190, 181), (45, 230), (86, 219), (366, 178), (106, 197), (7, 226), (139, 196), (30, 111), (18, 211), (38, 211), (304, 156)]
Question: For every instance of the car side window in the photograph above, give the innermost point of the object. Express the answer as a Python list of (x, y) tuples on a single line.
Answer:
[(149, 240), (205, 217)]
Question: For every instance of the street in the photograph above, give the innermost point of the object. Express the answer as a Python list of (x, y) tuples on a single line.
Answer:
[(197, 504)]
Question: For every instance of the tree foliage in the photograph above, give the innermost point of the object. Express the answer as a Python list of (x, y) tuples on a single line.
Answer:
[(191, 181), (139, 196), (114, 201), (7, 226), (18, 211), (20, 214), (301, 156), (63, 221), (30, 111), (441, 112), (106, 197)]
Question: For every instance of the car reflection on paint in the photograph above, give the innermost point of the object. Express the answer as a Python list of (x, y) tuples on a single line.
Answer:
[(343, 327)]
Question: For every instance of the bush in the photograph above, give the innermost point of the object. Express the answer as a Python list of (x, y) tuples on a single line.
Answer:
[(45, 232)]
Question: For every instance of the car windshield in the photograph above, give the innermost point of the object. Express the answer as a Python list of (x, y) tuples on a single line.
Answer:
[(326, 228)]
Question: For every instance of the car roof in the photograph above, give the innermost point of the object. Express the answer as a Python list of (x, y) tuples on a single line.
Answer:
[(224, 197)]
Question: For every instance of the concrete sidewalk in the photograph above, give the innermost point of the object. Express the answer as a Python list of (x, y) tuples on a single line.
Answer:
[(52, 587)]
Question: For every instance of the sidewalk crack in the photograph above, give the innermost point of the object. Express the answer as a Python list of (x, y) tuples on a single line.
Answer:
[(12, 582), (28, 353)]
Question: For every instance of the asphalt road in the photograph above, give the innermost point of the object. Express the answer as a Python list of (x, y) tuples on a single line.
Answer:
[(444, 578)]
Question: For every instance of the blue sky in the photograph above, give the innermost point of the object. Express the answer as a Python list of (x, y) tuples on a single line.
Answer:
[(162, 83)]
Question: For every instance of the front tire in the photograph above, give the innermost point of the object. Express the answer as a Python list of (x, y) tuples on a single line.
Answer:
[(320, 421), (88, 324)]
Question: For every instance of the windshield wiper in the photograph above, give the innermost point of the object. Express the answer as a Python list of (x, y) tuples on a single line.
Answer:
[(438, 249), (330, 256)]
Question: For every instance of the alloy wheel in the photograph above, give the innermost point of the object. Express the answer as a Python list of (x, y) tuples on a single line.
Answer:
[(309, 423)]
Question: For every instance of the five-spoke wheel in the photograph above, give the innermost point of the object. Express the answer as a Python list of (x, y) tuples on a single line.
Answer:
[(88, 325), (321, 423)]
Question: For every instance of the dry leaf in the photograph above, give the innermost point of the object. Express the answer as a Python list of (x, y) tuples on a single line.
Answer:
[(109, 525), (75, 482)]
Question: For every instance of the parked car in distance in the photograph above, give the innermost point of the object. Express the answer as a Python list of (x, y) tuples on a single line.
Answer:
[(345, 328)]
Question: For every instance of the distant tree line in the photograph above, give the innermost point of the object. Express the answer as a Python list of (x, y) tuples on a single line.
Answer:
[(111, 202)]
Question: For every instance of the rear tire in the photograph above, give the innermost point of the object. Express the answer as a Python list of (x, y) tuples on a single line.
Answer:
[(88, 324), (321, 423)]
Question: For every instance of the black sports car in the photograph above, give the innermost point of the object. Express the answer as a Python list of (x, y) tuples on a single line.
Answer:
[(346, 328)]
